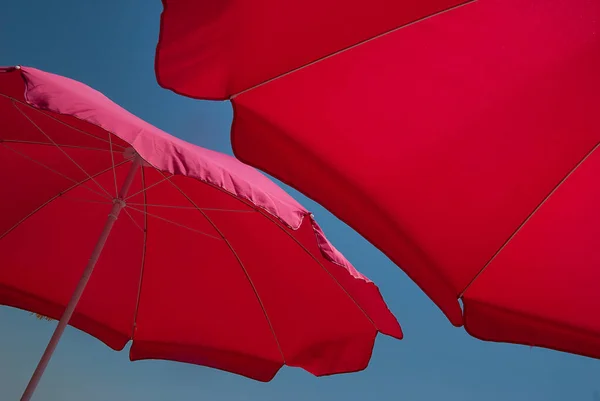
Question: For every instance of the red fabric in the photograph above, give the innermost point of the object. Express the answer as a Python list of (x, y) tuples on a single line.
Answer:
[(454, 146), (214, 49), (215, 266)]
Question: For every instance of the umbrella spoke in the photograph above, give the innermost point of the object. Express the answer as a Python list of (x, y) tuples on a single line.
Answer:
[(58, 144), (194, 208), (60, 194), (59, 173), (86, 200), (301, 245), (62, 150), (528, 218), (112, 160), (144, 189), (132, 219), (239, 260), (172, 222), (278, 223), (143, 264), (345, 49), (15, 101)]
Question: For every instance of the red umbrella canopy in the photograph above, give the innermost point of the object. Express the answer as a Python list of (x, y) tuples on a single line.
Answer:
[(464, 145), (210, 262), (214, 50)]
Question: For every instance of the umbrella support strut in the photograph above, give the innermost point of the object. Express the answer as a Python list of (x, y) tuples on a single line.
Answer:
[(118, 205)]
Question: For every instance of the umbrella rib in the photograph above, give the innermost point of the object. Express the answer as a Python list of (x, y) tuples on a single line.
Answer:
[(145, 233), (193, 208), (77, 184), (241, 264), (362, 42), (276, 222), (147, 188), (529, 217), (173, 222), (61, 149), (59, 144), (56, 172), (112, 160), (87, 200), (211, 209), (135, 223), (56, 119), (301, 245)]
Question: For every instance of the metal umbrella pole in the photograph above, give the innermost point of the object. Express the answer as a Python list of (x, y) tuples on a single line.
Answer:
[(118, 205)]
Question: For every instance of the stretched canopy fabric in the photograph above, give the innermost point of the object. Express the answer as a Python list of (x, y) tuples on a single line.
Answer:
[(210, 262), (464, 145), (216, 49)]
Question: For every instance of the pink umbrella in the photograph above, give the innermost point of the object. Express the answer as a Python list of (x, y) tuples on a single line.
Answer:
[(201, 259), (461, 141)]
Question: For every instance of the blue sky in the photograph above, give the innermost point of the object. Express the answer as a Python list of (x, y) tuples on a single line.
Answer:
[(110, 45)]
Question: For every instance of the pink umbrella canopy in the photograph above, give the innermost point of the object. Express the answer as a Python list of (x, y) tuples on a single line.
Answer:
[(462, 144), (209, 262)]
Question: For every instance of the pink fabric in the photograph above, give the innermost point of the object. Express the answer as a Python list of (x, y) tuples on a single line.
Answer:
[(63, 95)]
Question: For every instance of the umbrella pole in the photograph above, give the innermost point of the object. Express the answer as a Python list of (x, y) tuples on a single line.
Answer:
[(118, 205)]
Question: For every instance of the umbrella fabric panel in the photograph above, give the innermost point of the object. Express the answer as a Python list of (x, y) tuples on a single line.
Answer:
[(272, 271), (441, 148), (213, 50), (61, 217), (546, 280), (44, 253), (70, 101)]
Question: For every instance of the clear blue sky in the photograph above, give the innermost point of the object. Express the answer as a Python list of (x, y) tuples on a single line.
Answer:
[(110, 45)]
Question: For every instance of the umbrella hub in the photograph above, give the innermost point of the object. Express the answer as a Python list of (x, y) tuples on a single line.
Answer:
[(119, 202)]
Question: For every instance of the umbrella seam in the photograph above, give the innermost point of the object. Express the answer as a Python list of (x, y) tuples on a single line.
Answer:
[(62, 145), (143, 264), (175, 223), (207, 180), (46, 113), (324, 268), (358, 44), (62, 150), (60, 194), (135, 223), (275, 220), (241, 264), (529, 217), (58, 173), (145, 188), (438, 274), (112, 159)]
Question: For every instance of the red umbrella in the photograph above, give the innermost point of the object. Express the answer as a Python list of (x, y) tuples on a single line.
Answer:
[(209, 263), (462, 145)]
